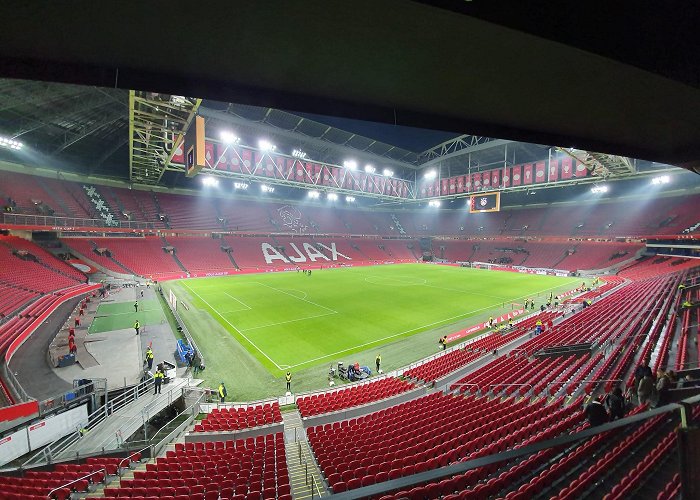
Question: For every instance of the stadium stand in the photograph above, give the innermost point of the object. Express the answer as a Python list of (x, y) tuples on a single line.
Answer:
[(253, 468), (201, 254), (231, 418), (356, 395)]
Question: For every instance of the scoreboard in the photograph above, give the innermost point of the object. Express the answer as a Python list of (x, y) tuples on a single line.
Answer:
[(195, 154), (485, 202)]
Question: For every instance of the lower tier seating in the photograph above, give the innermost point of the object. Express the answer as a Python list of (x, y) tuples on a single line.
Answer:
[(231, 419)]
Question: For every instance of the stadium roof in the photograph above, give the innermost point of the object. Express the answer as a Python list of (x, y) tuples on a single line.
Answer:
[(494, 68)]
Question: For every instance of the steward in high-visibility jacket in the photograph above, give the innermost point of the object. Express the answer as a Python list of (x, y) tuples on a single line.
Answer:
[(222, 392), (288, 378), (158, 381)]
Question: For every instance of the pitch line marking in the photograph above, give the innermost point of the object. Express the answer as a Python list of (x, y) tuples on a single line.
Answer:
[(288, 321), (414, 329), (232, 326), (238, 300), (298, 298)]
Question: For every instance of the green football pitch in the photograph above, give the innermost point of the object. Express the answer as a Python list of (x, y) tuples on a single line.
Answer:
[(291, 321), (121, 315)]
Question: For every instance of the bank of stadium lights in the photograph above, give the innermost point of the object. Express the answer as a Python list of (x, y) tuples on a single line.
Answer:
[(240, 185), (662, 179), (350, 199), (332, 196), (350, 164), (229, 137), (430, 174), (298, 153), (370, 169), (388, 172), (599, 189), (266, 145), (210, 181), (314, 195), (434, 203), (8, 143), (267, 189)]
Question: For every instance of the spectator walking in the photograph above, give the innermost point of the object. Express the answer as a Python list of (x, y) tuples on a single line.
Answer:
[(646, 389), (137, 326), (663, 385), (378, 362), (149, 357), (222, 392), (288, 378), (615, 402), (641, 371), (158, 380), (595, 413)]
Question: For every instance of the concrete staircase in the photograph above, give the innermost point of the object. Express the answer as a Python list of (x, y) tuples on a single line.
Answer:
[(304, 475)]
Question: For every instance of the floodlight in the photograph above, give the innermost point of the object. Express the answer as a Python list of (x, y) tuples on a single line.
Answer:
[(240, 185), (8, 143), (229, 137), (350, 199), (430, 174), (388, 172), (298, 153), (314, 194), (370, 169), (210, 181), (350, 164), (599, 189), (662, 179), (434, 203), (332, 196), (266, 145)]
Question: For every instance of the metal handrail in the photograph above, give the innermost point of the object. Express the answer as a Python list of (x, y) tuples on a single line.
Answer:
[(128, 457), (478, 387), (104, 480), (511, 385)]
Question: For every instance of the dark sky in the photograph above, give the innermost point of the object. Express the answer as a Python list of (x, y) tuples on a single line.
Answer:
[(412, 139)]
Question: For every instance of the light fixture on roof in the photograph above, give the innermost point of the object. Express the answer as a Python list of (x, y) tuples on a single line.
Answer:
[(350, 164), (430, 174), (314, 195), (332, 196), (8, 143), (266, 145), (661, 179), (229, 137), (370, 169), (434, 203), (240, 185), (210, 181), (599, 189), (388, 172), (298, 153), (350, 199), (267, 189)]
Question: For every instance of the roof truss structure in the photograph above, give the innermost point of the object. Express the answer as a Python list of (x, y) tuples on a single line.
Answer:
[(157, 125), (602, 164)]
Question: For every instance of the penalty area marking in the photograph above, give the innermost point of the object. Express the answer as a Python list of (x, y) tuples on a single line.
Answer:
[(298, 298), (415, 329), (288, 321), (232, 326), (239, 301)]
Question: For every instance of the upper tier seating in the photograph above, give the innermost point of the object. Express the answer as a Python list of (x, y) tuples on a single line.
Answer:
[(201, 254)]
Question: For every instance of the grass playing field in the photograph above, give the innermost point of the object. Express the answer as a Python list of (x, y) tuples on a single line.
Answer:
[(121, 315), (293, 321)]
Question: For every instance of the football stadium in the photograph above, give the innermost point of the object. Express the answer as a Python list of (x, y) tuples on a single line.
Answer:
[(325, 262)]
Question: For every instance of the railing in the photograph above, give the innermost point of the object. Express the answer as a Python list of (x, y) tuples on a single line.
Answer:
[(47, 454), (185, 331), (503, 386), (156, 448), (104, 480), (14, 385), (70, 223), (99, 385), (128, 457)]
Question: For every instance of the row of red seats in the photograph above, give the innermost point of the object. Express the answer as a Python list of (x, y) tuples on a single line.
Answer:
[(251, 468), (224, 419), (354, 396)]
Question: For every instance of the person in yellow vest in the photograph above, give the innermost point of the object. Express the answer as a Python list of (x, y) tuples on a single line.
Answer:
[(490, 321), (149, 357), (378, 362), (538, 327), (158, 381), (288, 378), (137, 326), (222, 392)]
